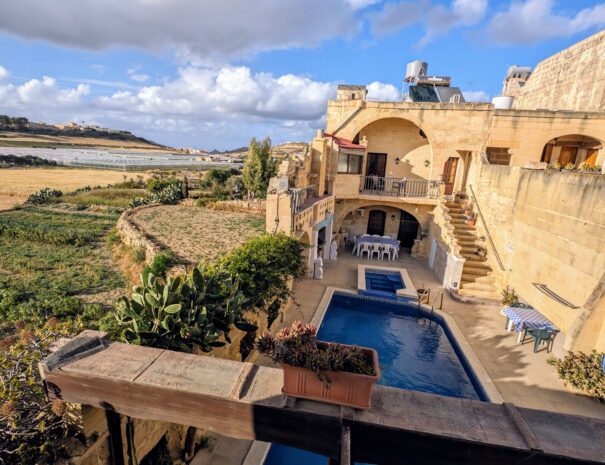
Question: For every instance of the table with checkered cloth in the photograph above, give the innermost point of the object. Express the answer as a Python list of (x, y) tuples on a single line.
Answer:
[(527, 318)]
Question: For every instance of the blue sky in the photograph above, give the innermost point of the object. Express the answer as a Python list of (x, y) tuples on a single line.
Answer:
[(210, 74)]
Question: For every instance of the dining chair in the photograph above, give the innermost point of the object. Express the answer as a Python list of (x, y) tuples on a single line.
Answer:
[(365, 248), (355, 245), (386, 250), (375, 250), (395, 251)]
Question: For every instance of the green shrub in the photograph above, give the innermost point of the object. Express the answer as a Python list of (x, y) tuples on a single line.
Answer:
[(43, 196), (263, 266), (156, 185), (138, 202), (161, 264), (31, 427), (583, 372), (509, 296), (187, 314), (138, 254)]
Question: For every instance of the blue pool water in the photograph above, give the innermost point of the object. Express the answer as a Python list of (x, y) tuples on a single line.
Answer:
[(383, 281), (414, 353)]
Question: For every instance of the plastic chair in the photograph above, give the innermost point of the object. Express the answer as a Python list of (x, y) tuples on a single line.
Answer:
[(386, 237), (375, 250), (365, 248), (394, 252), (365, 235), (355, 245), (375, 235), (539, 336), (386, 250)]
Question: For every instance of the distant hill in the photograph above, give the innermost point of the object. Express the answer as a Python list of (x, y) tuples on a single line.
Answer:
[(278, 151), (20, 132)]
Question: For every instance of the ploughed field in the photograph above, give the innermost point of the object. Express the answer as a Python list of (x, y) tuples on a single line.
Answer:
[(194, 234), (55, 264)]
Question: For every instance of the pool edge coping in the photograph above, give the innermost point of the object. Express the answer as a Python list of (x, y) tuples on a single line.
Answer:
[(409, 290), (485, 380)]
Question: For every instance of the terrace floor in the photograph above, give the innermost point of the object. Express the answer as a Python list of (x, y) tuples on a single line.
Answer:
[(521, 376)]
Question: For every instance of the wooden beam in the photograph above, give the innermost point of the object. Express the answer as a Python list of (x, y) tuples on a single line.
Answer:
[(245, 401)]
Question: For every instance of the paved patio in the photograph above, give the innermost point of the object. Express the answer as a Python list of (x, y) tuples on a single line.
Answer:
[(521, 376)]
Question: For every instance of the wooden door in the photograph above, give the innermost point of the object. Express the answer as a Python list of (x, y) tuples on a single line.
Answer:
[(591, 156), (408, 230), (376, 222), (377, 164), (449, 174), (567, 155)]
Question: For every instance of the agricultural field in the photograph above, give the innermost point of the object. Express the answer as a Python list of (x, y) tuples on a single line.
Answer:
[(52, 263), (110, 197), (16, 184), (193, 234)]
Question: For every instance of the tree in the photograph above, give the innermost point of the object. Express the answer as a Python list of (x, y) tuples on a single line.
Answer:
[(258, 168)]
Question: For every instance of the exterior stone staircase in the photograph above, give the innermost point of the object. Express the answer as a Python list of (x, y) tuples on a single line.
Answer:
[(478, 279)]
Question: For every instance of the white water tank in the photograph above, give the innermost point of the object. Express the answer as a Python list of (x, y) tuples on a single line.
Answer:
[(502, 102), (414, 69)]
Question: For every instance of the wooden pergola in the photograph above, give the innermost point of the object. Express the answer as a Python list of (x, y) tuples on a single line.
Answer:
[(243, 400)]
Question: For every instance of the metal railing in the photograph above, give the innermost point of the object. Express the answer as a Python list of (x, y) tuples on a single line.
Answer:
[(301, 198), (399, 187), (489, 236)]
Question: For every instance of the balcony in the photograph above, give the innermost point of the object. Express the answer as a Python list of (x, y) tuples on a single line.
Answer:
[(353, 186)]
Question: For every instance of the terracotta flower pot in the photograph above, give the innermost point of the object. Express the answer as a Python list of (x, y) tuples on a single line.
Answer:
[(342, 388)]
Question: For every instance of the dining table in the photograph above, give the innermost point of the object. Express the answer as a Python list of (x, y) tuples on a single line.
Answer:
[(526, 317)]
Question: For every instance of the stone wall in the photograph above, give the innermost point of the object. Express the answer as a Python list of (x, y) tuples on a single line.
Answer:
[(549, 228), (133, 236), (573, 79)]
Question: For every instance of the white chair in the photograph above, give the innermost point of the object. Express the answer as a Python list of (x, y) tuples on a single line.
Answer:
[(365, 235), (376, 250), (365, 247), (375, 235), (395, 251), (386, 237), (355, 245), (386, 250)]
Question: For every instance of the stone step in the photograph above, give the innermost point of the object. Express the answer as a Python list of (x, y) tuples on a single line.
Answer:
[(474, 273), (471, 257), (493, 295), (487, 279), (462, 226), (476, 266)]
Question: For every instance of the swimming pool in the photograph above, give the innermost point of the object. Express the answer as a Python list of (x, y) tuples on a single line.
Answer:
[(416, 351), (383, 283)]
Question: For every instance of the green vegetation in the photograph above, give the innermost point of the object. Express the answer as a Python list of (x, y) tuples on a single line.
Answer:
[(258, 168), (10, 161), (583, 372), (111, 197), (43, 196), (47, 260), (31, 427), (161, 264), (264, 266), (188, 314)]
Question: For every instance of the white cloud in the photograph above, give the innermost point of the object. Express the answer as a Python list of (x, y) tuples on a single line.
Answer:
[(360, 4), (476, 96), (533, 21), (436, 18), (137, 76), (40, 93), (386, 92), (204, 30)]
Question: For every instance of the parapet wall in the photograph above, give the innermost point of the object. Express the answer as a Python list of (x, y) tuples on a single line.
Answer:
[(573, 79), (549, 228)]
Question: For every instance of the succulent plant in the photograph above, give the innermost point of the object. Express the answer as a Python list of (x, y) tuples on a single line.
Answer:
[(188, 314)]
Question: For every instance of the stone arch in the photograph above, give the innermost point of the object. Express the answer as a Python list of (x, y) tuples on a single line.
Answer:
[(422, 216), (408, 147), (572, 148)]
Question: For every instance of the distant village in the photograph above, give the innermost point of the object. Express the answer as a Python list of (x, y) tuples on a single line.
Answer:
[(22, 124)]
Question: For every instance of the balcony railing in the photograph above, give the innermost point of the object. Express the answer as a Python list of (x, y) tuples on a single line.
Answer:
[(399, 187)]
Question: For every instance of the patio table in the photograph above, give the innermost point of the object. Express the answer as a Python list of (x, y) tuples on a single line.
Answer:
[(379, 240), (526, 318)]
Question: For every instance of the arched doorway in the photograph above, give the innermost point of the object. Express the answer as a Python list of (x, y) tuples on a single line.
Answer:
[(572, 149), (376, 221), (408, 230)]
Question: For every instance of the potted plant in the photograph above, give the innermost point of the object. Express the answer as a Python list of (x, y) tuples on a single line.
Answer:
[(570, 166), (509, 297), (323, 371), (555, 166)]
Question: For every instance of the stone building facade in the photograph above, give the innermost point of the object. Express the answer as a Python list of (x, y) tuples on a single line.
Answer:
[(395, 168)]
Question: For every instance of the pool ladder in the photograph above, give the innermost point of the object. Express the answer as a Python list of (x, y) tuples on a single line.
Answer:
[(440, 297), (427, 294)]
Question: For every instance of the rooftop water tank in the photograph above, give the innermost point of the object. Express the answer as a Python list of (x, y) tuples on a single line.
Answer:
[(414, 69), (502, 102)]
